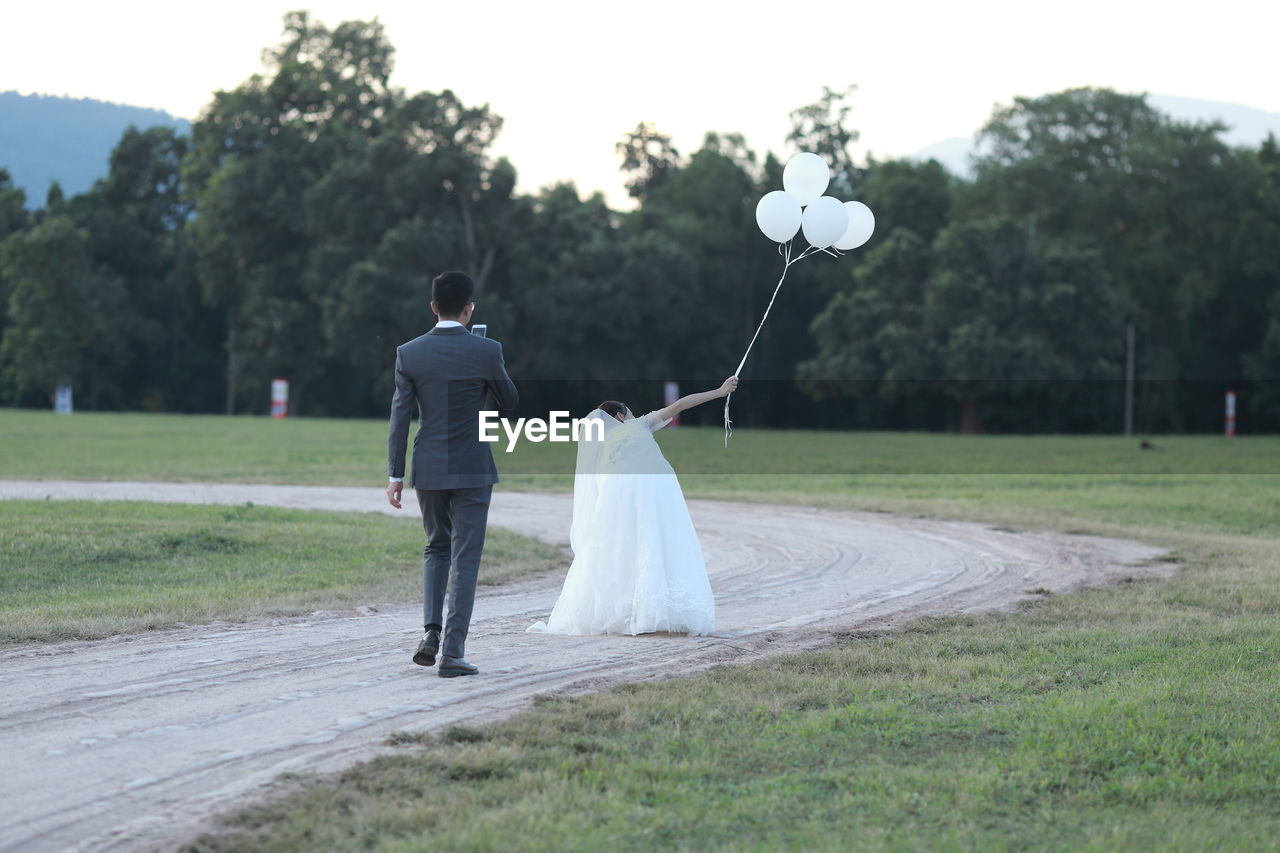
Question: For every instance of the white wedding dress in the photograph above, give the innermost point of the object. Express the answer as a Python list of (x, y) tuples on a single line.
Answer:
[(637, 566)]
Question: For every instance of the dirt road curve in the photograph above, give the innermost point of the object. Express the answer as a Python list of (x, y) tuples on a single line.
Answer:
[(134, 742)]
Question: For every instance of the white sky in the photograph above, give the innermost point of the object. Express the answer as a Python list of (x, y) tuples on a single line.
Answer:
[(571, 77)]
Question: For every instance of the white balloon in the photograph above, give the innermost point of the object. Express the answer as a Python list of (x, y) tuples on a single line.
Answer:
[(778, 215), (824, 221), (862, 223), (806, 177)]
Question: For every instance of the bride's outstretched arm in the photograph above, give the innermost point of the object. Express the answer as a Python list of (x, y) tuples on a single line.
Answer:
[(692, 400)]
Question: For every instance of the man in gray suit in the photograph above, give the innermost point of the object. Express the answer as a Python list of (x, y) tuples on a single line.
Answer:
[(449, 372)]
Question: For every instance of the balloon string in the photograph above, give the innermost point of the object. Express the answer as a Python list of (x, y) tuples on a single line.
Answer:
[(728, 424)]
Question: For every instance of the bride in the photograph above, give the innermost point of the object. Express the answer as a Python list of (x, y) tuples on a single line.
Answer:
[(637, 566)]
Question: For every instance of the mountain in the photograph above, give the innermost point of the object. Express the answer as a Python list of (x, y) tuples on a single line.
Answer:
[(44, 138), (952, 153), (1245, 126)]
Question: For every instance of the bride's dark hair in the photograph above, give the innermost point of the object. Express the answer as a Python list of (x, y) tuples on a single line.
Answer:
[(612, 408)]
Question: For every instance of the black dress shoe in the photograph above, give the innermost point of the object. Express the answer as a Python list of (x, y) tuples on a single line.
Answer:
[(427, 649), (453, 667)]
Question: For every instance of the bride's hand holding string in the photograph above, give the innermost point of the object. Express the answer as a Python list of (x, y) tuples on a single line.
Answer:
[(685, 403)]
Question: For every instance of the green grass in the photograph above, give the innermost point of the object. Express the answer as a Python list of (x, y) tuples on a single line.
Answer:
[(80, 570), (1137, 717), (86, 446), (1122, 505), (1140, 717), (1106, 483)]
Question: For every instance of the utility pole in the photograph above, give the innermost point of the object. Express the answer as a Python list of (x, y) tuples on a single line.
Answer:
[(1128, 380)]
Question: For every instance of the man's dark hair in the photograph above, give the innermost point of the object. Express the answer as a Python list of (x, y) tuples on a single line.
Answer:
[(451, 291)]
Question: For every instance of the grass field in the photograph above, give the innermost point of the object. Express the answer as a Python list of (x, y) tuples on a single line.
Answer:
[(86, 446), (1102, 483), (1132, 718), (84, 570), (1137, 717)]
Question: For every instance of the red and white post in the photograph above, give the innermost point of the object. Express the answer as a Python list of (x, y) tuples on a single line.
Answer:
[(279, 398)]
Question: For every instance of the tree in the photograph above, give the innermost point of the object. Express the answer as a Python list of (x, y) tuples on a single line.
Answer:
[(1161, 200), (439, 203), (13, 201), (563, 262), (821, 128), (733, 147), (54, 199), (325, 198), (13, 218), (906, 194), (1263, 365), (295, 233), (136, 220), (989, 314), (869, 337), (451, 144), (256, 152), (64, 314), (708, 210), (1013, 319), (649, 158)]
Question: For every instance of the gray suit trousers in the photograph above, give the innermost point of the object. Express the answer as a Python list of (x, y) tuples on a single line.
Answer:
[(455, 521)]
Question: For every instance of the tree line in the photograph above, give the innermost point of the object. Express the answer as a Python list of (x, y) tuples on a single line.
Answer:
[(293, 233)]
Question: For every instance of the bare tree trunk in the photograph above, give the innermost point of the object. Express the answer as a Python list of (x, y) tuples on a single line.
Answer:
[(492, 252), (1128, 379), (970, 423), (469, 232), (485, 268), (231, 366)]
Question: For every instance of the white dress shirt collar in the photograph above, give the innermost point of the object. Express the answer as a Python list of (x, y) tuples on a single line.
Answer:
[(444, 324)]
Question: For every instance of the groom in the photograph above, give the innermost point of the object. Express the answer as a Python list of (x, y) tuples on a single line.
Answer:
[(449, 372)]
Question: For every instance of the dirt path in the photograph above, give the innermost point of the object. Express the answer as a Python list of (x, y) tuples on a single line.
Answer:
[(132, 742)]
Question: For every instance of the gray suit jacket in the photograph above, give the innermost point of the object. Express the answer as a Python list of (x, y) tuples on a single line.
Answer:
[(449, 372)]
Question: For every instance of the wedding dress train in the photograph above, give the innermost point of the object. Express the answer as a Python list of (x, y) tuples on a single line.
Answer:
[(637, 565)]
